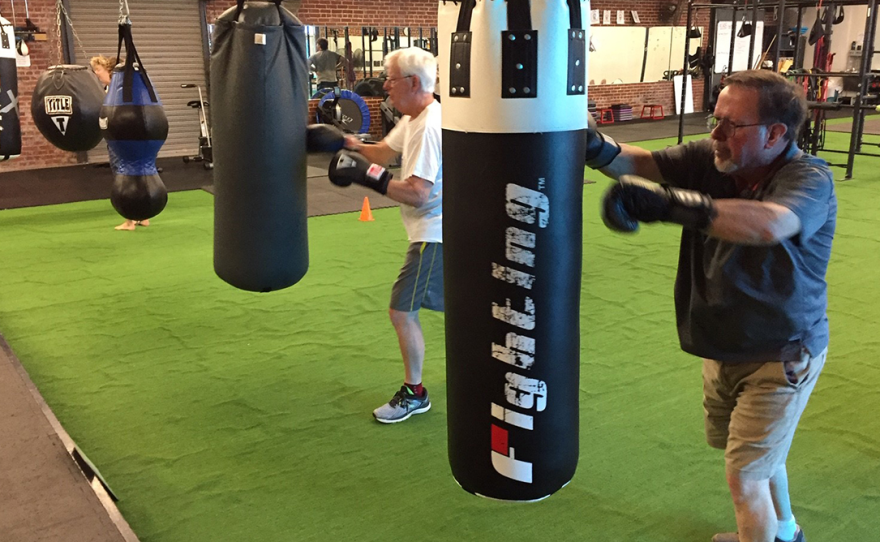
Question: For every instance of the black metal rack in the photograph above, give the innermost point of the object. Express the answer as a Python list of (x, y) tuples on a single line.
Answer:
[(863, 76)]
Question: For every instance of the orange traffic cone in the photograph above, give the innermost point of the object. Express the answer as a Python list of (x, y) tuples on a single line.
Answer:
[(366, 213)]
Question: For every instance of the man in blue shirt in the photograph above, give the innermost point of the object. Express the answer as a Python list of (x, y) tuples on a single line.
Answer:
[(758, 217)]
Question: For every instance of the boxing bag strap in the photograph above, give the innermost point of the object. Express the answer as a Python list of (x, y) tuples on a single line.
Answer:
[(460, 55), (577, 46), (519, 53), (131, 55)]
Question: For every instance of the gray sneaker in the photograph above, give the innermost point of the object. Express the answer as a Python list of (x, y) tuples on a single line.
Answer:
[(403, 405), (733, 537)]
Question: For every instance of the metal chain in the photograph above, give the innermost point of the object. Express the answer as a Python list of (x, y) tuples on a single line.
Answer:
[(123, 12), (70, 24), (59, 55)]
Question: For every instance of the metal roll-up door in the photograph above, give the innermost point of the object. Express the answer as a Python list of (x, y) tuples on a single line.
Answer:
[(168, 37)]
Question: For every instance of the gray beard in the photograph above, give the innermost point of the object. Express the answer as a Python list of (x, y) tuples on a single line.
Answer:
[(725, 166)]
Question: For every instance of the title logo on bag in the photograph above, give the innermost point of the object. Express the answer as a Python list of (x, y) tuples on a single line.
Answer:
[(524, 396), (60, 108), (58, 105)]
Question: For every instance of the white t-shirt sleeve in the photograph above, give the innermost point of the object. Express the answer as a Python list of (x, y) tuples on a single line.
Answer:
[(426, 151), (395, 137)]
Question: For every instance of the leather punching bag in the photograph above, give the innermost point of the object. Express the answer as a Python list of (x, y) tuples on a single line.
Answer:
[(66, 105), (10, 124), (513, 88), (259, 106), (134, 124)]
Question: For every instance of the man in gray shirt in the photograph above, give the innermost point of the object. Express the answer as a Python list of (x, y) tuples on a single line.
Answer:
[(758, 218), (324, 63)]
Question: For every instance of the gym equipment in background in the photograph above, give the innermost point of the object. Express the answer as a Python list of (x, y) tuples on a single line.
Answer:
[(258, 112), (371, 86), (10, 124), (345, 110), (65, 106), (206, 154), (134, 124), (515, 115), (390, 116)]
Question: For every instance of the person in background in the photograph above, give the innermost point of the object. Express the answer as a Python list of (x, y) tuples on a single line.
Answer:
[(325, 63), (103, 68)]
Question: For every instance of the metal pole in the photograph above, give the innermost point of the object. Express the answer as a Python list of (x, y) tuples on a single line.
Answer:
[(710, 46), (779, 27), (732, 39), (752, 37), (684, 72), (370, 41), (364, 50), (858, 113), (348, 65), (68, 49), (798, 61)]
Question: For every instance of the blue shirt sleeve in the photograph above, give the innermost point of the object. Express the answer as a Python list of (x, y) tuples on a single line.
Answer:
[(806, 186)]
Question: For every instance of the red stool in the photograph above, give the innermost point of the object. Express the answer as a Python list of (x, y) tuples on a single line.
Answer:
[(606, 116), (652, 111)]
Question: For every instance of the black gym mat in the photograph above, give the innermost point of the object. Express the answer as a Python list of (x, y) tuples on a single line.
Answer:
[(87, 182), (642, 130)]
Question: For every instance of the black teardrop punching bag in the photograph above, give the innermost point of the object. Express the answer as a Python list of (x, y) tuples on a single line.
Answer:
[(259, 106), (65, 106), (10, 126), (513, 88), (134, 124)]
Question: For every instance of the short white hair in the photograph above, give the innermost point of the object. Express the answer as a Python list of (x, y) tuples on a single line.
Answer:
[(415, 61)]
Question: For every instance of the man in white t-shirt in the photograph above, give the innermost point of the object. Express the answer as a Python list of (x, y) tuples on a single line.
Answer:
[(410, 77)]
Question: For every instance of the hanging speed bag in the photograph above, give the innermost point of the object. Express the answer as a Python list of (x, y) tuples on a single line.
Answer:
[(10, 127), (514, 118), (134, 124), (259, 106), (66, 104)]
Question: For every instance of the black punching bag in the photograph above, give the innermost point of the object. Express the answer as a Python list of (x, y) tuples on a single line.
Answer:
[(513, 88), (134, 124), (10, 126), (66, 104), (259, 105)]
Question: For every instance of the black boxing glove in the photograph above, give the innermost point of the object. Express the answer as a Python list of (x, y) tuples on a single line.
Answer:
[(601, 149), (634, 199), (348, 167), (324, 138)]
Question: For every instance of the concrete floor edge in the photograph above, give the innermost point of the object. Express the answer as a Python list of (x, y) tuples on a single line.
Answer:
[(109, 505)]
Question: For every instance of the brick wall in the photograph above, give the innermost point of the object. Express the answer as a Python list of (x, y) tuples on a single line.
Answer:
[(36, 151), (639, 94), (353, 13)]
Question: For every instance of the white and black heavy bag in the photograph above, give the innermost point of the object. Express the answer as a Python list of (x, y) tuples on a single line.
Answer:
[(513, 88)]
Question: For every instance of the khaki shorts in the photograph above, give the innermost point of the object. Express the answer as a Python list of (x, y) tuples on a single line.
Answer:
[(752, 410), (420, 283)]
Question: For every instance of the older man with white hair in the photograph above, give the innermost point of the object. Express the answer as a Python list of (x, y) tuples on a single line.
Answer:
[(410, 78)]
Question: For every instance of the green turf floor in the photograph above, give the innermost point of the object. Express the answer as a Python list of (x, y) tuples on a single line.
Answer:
[(219, 415)]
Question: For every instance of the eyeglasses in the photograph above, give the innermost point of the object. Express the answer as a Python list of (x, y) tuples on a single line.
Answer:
[(728, 128), (393, 80)]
